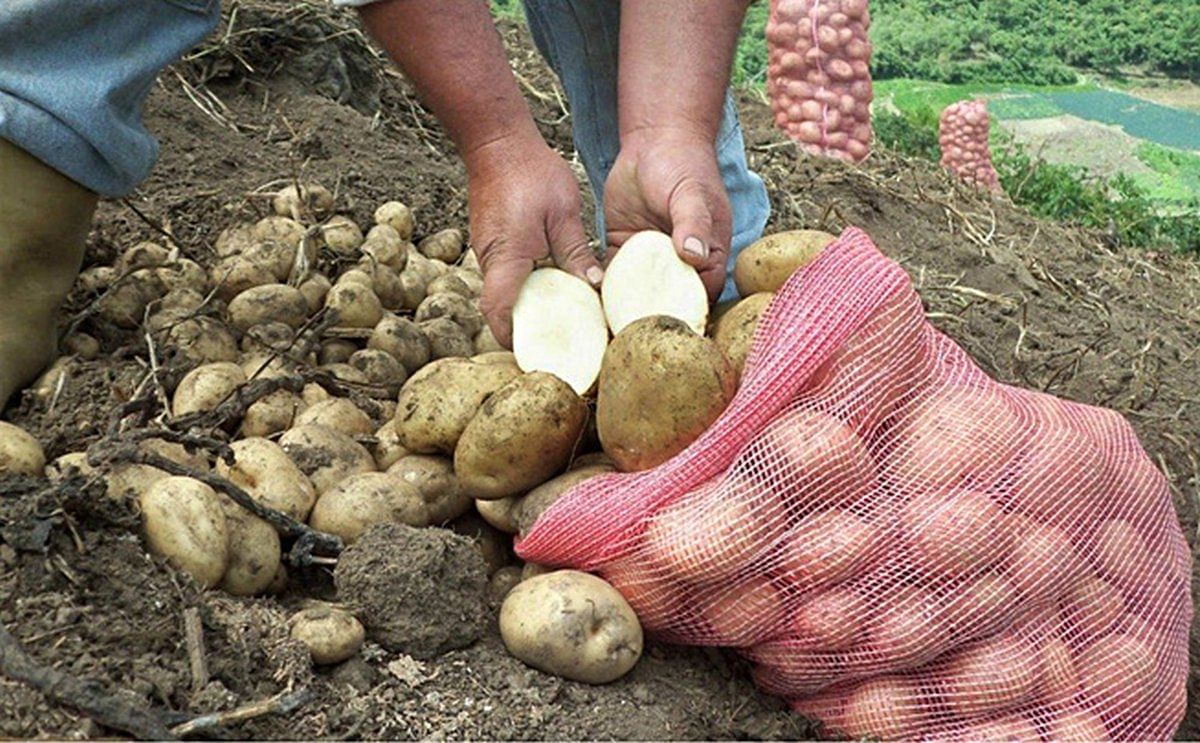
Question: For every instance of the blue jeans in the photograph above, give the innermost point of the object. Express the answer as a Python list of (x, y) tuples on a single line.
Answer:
[(578, 38)]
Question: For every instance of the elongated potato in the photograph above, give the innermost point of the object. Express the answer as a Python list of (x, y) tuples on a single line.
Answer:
[(184, 523), (263, 469), (535, 503), (438, 402), (352, 506), (661, 386), (522, 435), (206, 387), (267, 303), (331, 635), (254, 552), (327, 456), (734, 332), (769, 262), (20, 453)]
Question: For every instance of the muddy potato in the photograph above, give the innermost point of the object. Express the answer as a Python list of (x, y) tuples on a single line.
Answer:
[(268, 303), (336, 351), (313, 393), (396, 215), (451, 283), (412, 284), (453, 306), (500, 513), (471, 277), (447, 339), (201, 340), (264, 470), (253, 549), (592, 459), (205, 387), (506, 358), (384, 246), (185, 524), (125, 303), (769, 262), (493, 545), (314, 289), (356, 503), (233, 239), (403, 340), (485, 342), (445, 246), (571, 624), (678, 382), (142, 255), (427, 268), (331, 635), (535, 503), (82, 345), (308, 199), (342, 235), (183, 274), (235, 275), (339, 414), (267, 365), (355, 305), (269, 336), (438, 402), (734, 331), (523, 435), (533, 570), (433, 477), (503, 581), (345, 373), (388, 287), (276, 228), (387, 449), (277, 256), (272, 414), (325, 456), (20, 453), (383, 371)]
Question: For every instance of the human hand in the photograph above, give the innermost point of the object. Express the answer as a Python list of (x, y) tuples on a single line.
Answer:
[(524, 207), (668, 180)]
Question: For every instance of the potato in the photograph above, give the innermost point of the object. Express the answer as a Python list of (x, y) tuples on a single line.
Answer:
[(276, 228), (268, 303), (535, 503), (1060, 477), (412, 283), (124, 304), (523, 434), (677, 381), (450, 283), (559, 327), (993, 674), (830, 621), (1013, 727), (1124, 558), (381, 369), (279, 257), (184, 523), (82, 345), (263, 469), (470, 262), (313, 393), (253, 550), (336, 351), (427, 268), (493, 545), (342, 235), (339, 414), (768, 263), (356, 306), (503, 581), (983, 606), (1094, 606), (1060, 680), (350, 507), (330, 634), (907, 633), (1117, 672), (649, 591), (345, 373), (647, 278), (387, 285), (307, 200), (233, 239), (1077, 725), (385, 246), (325, 456), (142, 255), (206, 387), (500, 513), (20, 453), (45, 387), (314, 289), (202, 340), (445, 246), (360, 275), (533, 570), (742, 613), (460, 309), (184, 274), (592, 458), (438, 402), (485, 342), (471, 277), (433, 477), (96, 279), (820, 459), (263, 365), (397, 216), (235, 275), (403, 340), (272, 414), (956, 535), (734, 332), (1043, 565), (447, 339), (387, 450), (884, 708), (571, 624), (496, 357), (828, 547)]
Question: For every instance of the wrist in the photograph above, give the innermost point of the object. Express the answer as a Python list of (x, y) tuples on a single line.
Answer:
[(503, 150), (642, 137)]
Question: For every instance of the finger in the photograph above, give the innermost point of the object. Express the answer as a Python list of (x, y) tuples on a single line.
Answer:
[(713, 275), (504, 274), (691, 224), (572, 252)]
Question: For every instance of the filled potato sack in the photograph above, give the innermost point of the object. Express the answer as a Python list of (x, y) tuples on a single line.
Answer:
[(902, 546), (963, 130)]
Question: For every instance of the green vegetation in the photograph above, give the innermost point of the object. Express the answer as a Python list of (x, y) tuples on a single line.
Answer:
[(1176, 176)]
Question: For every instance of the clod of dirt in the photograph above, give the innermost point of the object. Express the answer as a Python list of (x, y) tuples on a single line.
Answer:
[(418, 591)]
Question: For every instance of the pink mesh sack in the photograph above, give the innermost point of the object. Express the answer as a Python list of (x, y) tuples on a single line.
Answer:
[(902, 546), (818, 75), (963, 130)]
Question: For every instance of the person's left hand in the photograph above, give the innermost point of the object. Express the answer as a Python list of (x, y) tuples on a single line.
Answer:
[(668, 180)]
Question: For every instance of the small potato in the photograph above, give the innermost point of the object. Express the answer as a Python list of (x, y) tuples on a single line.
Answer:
[(142, 255), (253, 549), (445, 246), (269, 336), (310, 199), (314, 289), (403, 340), (385, 246), (533, 570), (268, 303), (185, 524), (125, 303), (202, 340), (503, 581), (388, 287), (235, 275), (734, 331), (535, 503), (356, 503), (471, 277), (233, 239), (276, 228), (412, 284), (427, 268), (495, 546), (571, 624), (184, 274), (438, 402), (434, 479), (342, 235), (206, 387), (447, 339), (387, 448), (768, 263), (20, 453), (500, 513), (485, 342), (324, 455), (330, 634), (451, 283), (339, 414), (314, 393), (355, 306), (272, 414), (82, 345), (345, 373), (453, 306), (264, 470), (262, 365), (523, 434), (470, 261), (279, 257), (382, 370), (336, 351), (96, 279), (396, 215)]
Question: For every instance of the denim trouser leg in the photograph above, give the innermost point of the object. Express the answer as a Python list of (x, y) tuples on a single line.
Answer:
[(578, 38), (74, 77)]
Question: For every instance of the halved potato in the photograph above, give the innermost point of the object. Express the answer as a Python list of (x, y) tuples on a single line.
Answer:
[(647, 277), (559, 327)]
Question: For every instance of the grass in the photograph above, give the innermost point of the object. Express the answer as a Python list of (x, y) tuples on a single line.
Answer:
[(1016, 101), (1176, 176)]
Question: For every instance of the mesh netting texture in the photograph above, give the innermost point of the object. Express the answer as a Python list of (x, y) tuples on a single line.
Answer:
[(963, 130), (818, 75), (903, 547)]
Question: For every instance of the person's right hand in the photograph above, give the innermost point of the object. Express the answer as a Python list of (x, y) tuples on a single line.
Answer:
[(524, 207)]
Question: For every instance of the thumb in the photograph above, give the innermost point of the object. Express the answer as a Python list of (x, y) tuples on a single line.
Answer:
[(573, 253), (503, 276), (691, 224)]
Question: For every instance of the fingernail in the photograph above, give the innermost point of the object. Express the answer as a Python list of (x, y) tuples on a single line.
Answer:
[(595, 275), (695, 246)]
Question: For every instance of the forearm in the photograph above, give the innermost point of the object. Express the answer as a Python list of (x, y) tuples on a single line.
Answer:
[(452, 53), (675, 62)]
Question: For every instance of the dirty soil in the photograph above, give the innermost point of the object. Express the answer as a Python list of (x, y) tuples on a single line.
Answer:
[(293, 89)]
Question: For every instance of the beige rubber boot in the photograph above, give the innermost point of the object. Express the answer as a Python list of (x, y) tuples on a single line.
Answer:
[(44, 221)]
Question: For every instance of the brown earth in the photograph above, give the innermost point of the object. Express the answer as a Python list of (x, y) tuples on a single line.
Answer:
[(292, 90)]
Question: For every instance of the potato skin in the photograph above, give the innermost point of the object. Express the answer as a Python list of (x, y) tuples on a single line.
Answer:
[(262, 468), (268, 303), (330, 634), (522, 435), (351, 507), (403, 340), (535, 503), (573, 625), (204, 387), (434, 479), (767, 264), (325, 455), (20, 453), (661, 385), (184, 523), (734, 332), (437, 403), (254, 552)]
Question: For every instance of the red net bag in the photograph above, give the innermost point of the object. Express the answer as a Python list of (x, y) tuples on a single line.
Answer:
[(902, 546), (818, 74), (963, 130)]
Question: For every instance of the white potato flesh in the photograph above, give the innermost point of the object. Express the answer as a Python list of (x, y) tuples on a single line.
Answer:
[(647, 277), (559, 328)]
